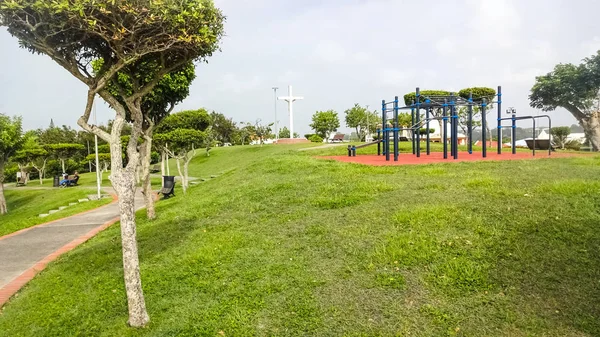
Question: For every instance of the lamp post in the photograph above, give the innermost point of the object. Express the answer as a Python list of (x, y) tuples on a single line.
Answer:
[(368, 129), (276, 122), (513, 130), (98, 178)]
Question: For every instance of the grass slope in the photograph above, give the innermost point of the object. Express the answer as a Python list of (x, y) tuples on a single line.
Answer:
[(283, 244), (25, 205)]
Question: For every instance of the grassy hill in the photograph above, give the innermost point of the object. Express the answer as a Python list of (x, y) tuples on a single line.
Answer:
[(283, 244)]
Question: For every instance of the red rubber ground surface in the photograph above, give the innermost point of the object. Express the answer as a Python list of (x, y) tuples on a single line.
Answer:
[(437, 157)]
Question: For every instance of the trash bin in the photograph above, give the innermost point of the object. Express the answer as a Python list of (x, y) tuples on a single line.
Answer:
[(56, 181), (167, 179)]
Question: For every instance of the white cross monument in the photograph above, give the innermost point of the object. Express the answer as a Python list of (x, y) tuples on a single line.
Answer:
[(290, 99)]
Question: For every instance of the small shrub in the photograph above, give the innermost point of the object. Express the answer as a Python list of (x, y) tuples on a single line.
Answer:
[(573, 145), (316, 139)]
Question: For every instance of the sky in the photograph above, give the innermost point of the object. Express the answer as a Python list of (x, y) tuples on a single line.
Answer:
[(337, 53)]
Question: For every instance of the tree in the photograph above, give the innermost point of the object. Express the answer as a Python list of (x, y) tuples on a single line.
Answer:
[(103, 160), (263, 132), (362, 120), (63, 152), (246, 132), (11, 137), (179, 135), (31, 155), (559, 135), (224, 128), (284, 132), (171, 90), (575, 88), (463, 120), (160, 36), (325, 122)]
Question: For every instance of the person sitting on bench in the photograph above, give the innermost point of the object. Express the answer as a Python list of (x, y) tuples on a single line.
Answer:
[(69, 181)]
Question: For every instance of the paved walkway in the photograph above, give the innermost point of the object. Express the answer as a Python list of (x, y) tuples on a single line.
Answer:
[(24, 253)]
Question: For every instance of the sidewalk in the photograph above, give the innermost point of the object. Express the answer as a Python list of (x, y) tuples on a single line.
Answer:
[(24, 253)]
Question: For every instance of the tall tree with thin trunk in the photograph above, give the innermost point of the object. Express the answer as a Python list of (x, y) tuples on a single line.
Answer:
[(575, 88), (171, 90), (11, 140), (180, 135), (127, 35)]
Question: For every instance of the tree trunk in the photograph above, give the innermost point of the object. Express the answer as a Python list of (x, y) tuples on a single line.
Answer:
[(146, 158), (591, 127), (123, 181), (3, 208), (62, 162), (183, 182)]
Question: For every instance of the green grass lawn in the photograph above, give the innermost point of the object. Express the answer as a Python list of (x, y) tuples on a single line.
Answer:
[(283, 244), (25, 205)]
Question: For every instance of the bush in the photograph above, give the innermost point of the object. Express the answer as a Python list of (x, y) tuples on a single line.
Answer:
[(316, 139), (154, 157), (479, 93), (573, 145), (308, 135)]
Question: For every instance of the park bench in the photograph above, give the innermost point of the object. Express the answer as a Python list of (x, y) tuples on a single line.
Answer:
[(155, 168), (168, 188), (71, 181)]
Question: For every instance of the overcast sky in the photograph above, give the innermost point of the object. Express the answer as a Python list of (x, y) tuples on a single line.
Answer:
[(339, 52)]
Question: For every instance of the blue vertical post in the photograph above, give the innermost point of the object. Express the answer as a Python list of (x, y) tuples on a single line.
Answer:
[(455, 132), (379, 144), (499, 119), (513, 129), (470, 124), (427, 111), (412, 124), (452, 131), (445, 127), (386, 138), (396, 128), (418, 120), (483, 127)]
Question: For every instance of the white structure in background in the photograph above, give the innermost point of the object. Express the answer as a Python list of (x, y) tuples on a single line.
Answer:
[(291, 99), (579, 136)]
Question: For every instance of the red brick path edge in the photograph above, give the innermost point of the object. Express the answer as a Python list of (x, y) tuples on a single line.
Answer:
[(15, 285)]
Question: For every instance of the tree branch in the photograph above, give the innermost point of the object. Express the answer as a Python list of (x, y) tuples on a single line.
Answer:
[(83, 120)]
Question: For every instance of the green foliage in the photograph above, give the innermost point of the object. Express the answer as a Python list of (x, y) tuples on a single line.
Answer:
[(170, 90), (412, 96), (559, 135), (181, 140), (284, 132), (334, 246), (573, 145), (64, 151), (11, 137), (325, 122), (479, 93), (362, 120), (423, 131), (104, 148), (308, 135), (115, 31), (404, 119), (223, 128), (263, 131), (154, 157), (572, 87), (316, 139), (190, 119), (102, 157)]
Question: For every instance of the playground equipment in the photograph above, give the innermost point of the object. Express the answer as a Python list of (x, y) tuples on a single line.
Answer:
[(389, 128)]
